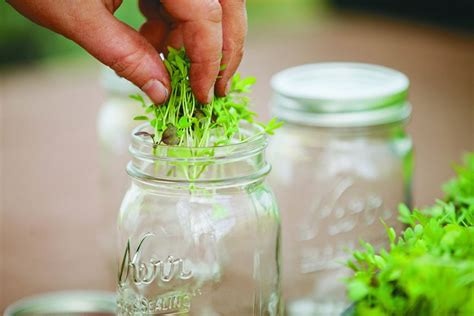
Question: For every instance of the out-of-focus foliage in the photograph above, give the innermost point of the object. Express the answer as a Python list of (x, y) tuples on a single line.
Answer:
[(460, 191), (285, 12), (429, 269), (23, 41)]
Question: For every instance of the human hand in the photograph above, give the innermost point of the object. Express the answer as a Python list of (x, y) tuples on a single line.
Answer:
[(211, 31)]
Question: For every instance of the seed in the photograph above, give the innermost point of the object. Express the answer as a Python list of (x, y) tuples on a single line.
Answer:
[(170, 136)]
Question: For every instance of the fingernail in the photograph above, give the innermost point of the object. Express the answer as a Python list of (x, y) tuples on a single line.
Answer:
[(156, 91), (227, 87), (210, 95)]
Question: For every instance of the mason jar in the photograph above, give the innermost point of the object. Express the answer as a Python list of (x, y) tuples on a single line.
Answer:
[(114, 125), (342, 164), (199, 230)]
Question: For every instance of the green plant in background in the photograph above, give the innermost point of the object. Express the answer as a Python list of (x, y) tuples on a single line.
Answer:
[(23, 41), (183, 121), (460, 191), (288, 13), (429, 268)]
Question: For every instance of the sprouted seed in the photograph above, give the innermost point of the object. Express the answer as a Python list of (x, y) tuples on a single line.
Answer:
[(183, 121)]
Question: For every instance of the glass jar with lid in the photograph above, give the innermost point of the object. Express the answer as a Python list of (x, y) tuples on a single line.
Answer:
[(199, 230), (342, 163)]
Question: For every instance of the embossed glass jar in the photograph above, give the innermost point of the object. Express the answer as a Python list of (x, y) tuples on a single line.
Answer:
[(114, 125), (341, 164), (199, 231)]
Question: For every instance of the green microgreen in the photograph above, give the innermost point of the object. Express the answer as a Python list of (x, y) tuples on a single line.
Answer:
[(429, 269), (183, 121)]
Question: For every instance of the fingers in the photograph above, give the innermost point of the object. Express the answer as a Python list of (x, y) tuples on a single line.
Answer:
[(92, 25), (156, 33), (201, 30), (234, 26), (126, 51), (190, 26), (150, 9), (196, 24)]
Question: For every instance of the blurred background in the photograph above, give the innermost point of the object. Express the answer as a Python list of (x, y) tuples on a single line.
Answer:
[(56, 161)]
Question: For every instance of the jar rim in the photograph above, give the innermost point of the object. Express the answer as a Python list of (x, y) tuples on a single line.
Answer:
[(143, 147), (239, 162), (378, 117), (64, 302)]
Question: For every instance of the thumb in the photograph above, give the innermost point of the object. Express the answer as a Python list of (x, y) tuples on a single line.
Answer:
[(124, 50)]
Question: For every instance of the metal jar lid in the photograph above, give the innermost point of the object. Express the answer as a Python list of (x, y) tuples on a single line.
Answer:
[(65, 303), (340, 95)]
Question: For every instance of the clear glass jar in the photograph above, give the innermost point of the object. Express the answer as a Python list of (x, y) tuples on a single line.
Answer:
[(199, 231), (342, 163), (114, 125)]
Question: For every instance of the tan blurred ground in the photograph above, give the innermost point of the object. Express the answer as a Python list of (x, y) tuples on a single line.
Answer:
[(49, 182)]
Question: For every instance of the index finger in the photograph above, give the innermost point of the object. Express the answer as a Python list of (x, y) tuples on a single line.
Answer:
[(234, 27), (201, 25)]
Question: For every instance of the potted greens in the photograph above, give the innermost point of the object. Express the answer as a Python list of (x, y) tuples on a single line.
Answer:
[(429, 267)]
